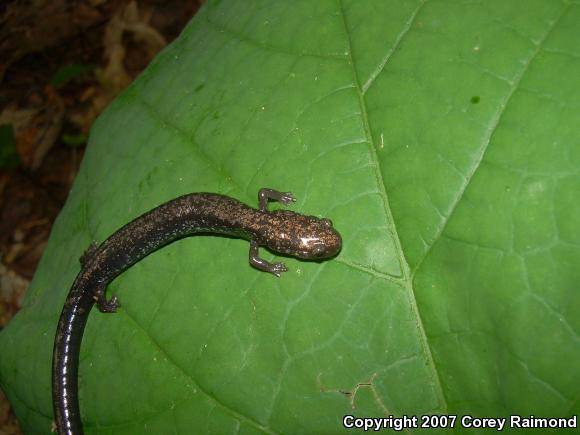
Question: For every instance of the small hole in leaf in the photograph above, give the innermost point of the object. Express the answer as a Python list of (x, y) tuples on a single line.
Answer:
[(475, 99)]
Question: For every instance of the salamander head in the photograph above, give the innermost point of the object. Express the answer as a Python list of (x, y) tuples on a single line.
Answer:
[(301, 236)]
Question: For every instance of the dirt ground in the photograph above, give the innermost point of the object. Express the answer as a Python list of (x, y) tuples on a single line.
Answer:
[(61, 63)]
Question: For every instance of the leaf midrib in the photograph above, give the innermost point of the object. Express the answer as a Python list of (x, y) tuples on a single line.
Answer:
[(407, 278)]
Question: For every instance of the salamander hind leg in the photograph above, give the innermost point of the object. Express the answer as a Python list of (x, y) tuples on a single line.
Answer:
[(260, 263), (264, 195), (104, 305)]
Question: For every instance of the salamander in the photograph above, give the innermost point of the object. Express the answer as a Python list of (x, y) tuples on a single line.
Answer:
[(281, 231)]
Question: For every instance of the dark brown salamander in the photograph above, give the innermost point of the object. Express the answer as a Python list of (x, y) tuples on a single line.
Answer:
[(281, 231)]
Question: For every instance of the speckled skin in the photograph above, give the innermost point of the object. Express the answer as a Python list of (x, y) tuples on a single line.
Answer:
[(282, 231)]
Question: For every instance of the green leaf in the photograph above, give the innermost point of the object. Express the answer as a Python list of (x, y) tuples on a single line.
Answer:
[(442, 139), (66, 73), (8, 154), (74, 140)]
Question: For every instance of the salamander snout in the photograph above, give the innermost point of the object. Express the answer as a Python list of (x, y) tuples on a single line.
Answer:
[(324, 242), (306, 237)]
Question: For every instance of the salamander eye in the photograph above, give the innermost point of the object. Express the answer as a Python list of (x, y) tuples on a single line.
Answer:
[(318, 251), (327, 222)]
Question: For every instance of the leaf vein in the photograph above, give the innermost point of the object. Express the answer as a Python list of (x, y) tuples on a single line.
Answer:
[(260, 45), (383, 63), (210, 396), (495, 121), (212, 163)]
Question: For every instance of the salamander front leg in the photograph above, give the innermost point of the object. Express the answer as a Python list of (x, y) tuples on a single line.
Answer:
[(104, 305), (264, 195), (266, 266)]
